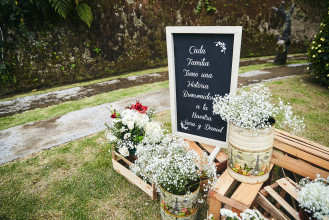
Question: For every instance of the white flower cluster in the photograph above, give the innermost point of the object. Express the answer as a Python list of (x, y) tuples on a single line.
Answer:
[(248, 214), (171, 164), (253, 110), (154, 131), (314, 196), (133, 118)]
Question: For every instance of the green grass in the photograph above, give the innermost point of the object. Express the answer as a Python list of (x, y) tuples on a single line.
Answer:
[(162, 69), (61, 109), (308, 100), (249, 68), (72, 181)]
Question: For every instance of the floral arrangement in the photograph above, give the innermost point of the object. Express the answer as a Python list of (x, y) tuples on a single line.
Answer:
[(170, 164), (253, 110), (248, 214), (313, 197), (129, 128)]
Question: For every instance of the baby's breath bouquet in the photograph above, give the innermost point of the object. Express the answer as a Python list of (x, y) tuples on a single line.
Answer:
[(254, 110), (172, 165), (129, 127), (313, 197)]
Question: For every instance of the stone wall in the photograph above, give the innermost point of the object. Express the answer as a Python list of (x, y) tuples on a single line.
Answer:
[(129, 35)]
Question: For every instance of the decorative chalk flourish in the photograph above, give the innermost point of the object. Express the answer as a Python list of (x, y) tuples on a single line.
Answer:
[(182, 124), (222, 45)]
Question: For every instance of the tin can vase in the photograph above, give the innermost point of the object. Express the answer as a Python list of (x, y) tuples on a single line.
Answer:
[(178, 206), (249, 154)]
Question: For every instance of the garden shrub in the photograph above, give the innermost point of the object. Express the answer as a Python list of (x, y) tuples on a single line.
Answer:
[(318, 53)]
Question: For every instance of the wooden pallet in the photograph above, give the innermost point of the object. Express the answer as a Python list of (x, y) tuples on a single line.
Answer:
[(272, 200), (298, 155)]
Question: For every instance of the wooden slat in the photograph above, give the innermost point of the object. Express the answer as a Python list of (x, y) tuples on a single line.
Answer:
[(303, 147), (214, 207), (319, 146), (297, 166), (270, 208), (273, 186), (301, 144), (301, 154), (282, 202), (195, 147), (131, 177), (223, 184), (229, 201), (288, 187), (246, 193), (122, 158)]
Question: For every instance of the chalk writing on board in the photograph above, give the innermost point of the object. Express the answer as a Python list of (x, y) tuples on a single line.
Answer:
[(196, 84), (202, 68)]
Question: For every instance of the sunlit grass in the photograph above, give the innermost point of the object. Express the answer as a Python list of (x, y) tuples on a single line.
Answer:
[(309, 100), (72, 181)]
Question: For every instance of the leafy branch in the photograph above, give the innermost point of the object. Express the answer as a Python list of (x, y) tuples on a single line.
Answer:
[(206, 5)]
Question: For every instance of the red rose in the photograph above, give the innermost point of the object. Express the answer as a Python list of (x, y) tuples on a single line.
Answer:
[(114, 114), (138, 107)]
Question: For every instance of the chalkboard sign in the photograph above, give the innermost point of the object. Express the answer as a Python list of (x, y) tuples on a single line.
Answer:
[(203, 61)]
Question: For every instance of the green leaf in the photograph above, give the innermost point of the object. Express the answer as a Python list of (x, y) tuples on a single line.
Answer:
[(62, 7), (85, 14)]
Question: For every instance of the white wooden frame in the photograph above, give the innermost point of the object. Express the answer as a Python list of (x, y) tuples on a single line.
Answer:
[(237, 31)]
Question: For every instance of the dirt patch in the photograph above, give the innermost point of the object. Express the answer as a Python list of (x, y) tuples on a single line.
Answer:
[(270, 59), (268, 74), (46, 124)]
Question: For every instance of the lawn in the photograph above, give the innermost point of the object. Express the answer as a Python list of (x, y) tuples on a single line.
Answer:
[(76, 180)]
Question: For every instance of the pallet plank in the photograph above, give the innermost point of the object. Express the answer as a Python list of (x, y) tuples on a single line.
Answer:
[(282, 202), (300, 139), (288, 187), (224, 183), (131, 177), (119, 156), (270, 208), (246, 193), (303, 147), (297, 166)]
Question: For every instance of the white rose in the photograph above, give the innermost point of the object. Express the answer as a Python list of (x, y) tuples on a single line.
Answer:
[(127, 135), (123, 129), (111, 137), (124, 151), (142, 119), (130, 125), (153, 127)]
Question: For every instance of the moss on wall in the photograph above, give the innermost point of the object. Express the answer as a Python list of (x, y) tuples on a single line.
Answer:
[(130, 35)]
